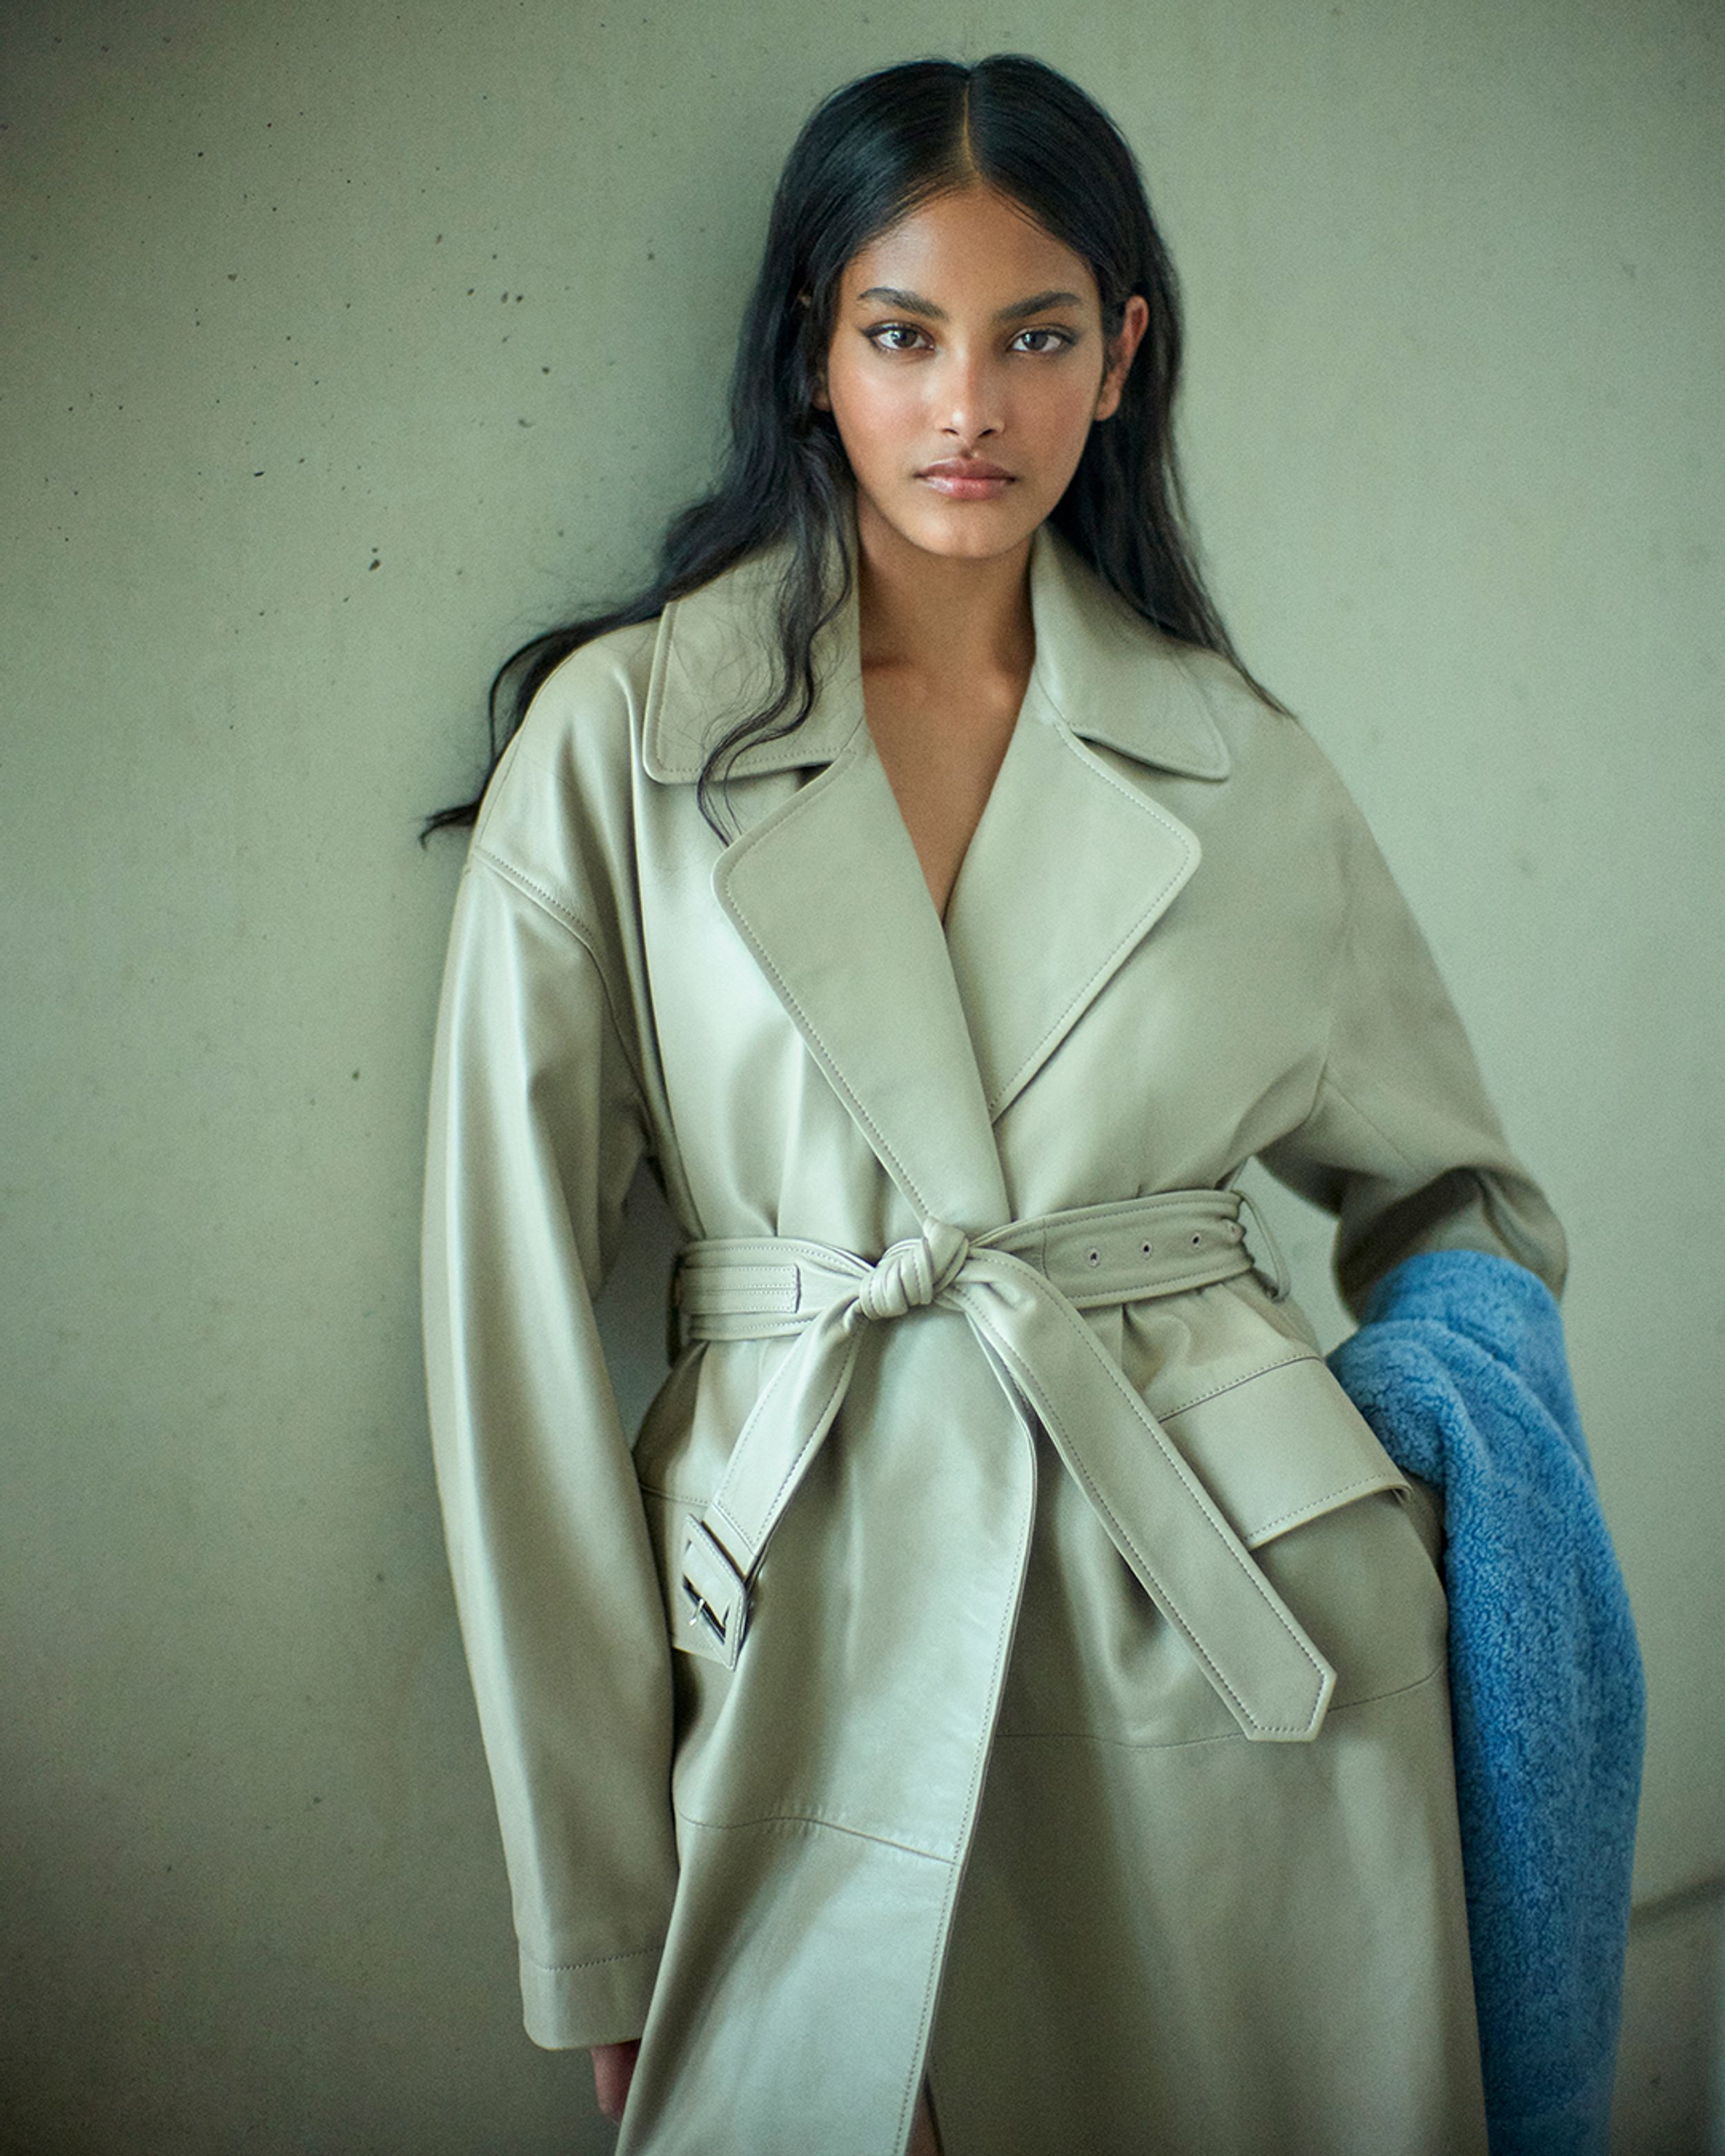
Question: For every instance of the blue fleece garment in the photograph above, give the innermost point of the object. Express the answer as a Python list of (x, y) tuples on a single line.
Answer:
[(1459, 1367)]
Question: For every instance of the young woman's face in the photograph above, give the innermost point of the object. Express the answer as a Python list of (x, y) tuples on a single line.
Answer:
[(966, 370)]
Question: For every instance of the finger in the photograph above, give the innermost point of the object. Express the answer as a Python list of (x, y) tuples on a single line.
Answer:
[(613, 2066)]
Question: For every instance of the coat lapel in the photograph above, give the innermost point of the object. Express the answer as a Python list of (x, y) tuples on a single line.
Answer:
[(828, 893), (1074, 862), (1069, 869), (927, 1036)]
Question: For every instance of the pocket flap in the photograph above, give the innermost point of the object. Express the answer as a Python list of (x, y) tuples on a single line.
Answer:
[(1282, 1446)]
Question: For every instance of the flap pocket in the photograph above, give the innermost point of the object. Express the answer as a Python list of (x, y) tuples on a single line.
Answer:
[(1281, 1447)]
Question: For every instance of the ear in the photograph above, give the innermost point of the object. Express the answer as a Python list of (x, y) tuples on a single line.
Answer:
[(1119, 356)]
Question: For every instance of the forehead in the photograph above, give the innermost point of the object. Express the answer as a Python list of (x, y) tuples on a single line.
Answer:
[(972, 243)]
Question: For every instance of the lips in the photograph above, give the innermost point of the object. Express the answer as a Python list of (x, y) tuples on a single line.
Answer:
[(966, 479), (963, 468)]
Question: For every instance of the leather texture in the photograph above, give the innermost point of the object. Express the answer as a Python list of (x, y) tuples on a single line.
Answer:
[(967, 1799)]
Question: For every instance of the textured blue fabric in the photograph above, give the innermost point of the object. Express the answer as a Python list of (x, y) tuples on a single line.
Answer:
[(1460, 1368)]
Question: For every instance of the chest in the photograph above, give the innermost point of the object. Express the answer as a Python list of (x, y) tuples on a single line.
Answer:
[(941, 747)]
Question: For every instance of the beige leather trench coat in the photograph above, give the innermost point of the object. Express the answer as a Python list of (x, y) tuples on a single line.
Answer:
[(1003, 1654)]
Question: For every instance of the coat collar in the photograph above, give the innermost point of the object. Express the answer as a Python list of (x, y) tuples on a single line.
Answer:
[(928, 1032), (1111, 677)]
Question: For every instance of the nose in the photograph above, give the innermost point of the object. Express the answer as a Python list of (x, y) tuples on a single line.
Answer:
[(972, 393)]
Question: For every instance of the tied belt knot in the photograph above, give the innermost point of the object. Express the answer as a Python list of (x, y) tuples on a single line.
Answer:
[(1024, 1289), (909, 1274)]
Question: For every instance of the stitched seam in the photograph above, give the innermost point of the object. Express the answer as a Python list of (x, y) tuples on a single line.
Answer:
[(1188, 1744), (771, 1253), (810, 1029), (767, 1280), (723, 1301), (807, 1819), (593, 1961), (548, 900), (1137, 929), (1107, 1512), (1363, 1486), (878, 1136), (548, 903), (730, 1329), (841, 1379), (1263, 1370), (704, 1298)]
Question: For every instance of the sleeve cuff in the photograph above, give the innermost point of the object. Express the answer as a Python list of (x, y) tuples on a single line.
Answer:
[(569, 2007)]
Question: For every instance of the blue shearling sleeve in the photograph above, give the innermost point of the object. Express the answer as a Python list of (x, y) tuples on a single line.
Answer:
[(1459, 1367)]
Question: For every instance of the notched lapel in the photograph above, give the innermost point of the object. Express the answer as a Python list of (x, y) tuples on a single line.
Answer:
[(827, 892), (1070, 868), (1073, 863)]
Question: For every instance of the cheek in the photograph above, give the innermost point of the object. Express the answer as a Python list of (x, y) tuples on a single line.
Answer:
[(875, 417)]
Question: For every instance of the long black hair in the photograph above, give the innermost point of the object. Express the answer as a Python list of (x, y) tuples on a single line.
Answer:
[(872, 152)]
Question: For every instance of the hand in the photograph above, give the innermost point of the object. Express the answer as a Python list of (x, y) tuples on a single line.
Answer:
[(613, 2066)]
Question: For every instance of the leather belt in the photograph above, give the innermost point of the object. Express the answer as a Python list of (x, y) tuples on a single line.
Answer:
[(1023, 1288)]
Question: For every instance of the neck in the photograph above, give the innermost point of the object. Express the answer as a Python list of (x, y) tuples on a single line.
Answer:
[(942, 616)]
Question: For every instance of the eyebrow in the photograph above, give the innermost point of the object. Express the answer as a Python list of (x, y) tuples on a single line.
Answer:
[(913, 303)]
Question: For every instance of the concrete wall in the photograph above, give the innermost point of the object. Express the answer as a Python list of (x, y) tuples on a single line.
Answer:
[(345, 344)]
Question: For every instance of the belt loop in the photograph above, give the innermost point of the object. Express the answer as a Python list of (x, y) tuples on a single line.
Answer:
[(1262, 1244)]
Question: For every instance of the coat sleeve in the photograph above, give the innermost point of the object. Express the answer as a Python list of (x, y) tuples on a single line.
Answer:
[(1401, 1143), (537, 1127)]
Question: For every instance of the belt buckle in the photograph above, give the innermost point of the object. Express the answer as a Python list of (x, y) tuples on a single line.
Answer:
[(718, 1595)]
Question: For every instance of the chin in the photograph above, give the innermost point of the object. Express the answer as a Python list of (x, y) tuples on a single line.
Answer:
[(976, 532), (952, 531)]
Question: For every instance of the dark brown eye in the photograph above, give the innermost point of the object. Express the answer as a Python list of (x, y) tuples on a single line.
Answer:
[(878, 336)]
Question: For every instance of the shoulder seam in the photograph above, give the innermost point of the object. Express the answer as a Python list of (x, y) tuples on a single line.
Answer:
[(566, 917)]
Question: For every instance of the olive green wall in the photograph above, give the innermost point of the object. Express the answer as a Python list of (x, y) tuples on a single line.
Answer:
[(346, 343)]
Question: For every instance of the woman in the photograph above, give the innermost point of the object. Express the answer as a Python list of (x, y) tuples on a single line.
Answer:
[(1002, 1691)]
